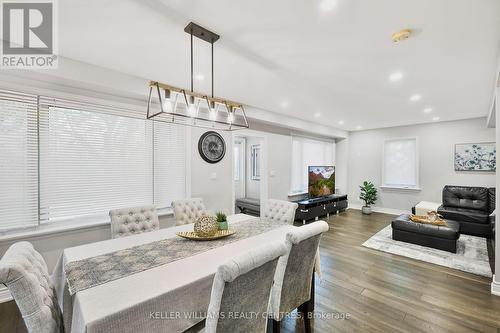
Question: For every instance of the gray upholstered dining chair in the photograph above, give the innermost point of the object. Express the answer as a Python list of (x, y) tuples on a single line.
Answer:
[(24, 272), (132, 221), (292, 281), (280, 211), (243, 285), (188, 210)]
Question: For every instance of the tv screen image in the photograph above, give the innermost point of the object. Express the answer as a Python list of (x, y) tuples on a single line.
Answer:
[(321, 181)]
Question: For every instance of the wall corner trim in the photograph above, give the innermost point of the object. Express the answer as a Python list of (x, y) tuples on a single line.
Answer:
[(495, 287)]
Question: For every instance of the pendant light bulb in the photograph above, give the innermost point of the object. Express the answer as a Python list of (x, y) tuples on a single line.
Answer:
[(191, 107), (167, 103), (230, 116), (212, 113)]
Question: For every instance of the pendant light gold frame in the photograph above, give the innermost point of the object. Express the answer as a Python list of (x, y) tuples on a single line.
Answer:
[(235, 117)]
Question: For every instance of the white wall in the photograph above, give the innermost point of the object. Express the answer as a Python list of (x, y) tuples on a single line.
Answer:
[(212, 182), (341, 165), (436, 145), (279, 155)]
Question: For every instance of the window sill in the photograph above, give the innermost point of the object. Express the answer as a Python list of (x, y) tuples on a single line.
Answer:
[(68, 225), (400, 188), (294, 194)]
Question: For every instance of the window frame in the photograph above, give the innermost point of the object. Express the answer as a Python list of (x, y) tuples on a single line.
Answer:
[(415, 187), (255, 155)]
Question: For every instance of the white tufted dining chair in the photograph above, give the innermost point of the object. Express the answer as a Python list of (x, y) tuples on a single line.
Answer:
[(133, 221), (188, 210), (243, 285), (24, 272), (292, 281), (280, 211)]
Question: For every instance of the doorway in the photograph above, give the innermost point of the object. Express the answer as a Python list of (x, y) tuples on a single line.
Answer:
[(247, 172)]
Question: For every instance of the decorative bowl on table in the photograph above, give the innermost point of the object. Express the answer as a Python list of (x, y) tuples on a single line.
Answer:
[(206, 226), (193, 236)]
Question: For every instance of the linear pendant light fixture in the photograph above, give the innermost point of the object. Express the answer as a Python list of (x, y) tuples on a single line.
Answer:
[(176, 105)]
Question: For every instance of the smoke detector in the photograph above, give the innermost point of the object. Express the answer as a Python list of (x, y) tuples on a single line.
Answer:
[(401, 35)]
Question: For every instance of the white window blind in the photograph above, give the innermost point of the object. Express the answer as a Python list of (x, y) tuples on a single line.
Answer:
[(92, 162), (18, 160), (64, 159), (308, 152), (170, 146), (400, 163)]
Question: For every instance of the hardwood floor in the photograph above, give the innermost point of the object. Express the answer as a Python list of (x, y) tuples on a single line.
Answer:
[(382, 292)]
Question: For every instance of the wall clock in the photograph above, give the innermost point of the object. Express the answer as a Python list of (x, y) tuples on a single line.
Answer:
[(211, 147)]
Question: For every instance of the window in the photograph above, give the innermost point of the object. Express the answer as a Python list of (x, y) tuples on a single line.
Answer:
[(64, 159), (93, 162), (255, 151), (400, 160), (308, 152), (18, 161)]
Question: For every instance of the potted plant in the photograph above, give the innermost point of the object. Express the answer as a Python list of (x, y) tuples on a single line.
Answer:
[(222, 220), (368, 195)]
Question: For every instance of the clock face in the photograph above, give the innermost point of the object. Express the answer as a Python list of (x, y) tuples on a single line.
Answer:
[(212, 147)]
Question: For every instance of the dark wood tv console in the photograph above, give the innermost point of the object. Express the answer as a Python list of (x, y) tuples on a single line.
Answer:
[(314, 208)]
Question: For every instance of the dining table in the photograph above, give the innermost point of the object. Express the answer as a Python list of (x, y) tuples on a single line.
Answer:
[(168, 295)]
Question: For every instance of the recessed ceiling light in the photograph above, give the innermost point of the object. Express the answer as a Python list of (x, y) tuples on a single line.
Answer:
[(327, 5), (317, 115), (359, 127), (396, 76), (427, 110), (284, 104), (200, 77), (415, 98), (341, 122), (435, 118)]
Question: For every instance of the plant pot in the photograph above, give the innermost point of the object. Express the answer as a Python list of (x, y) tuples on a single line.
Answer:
[(366, 210), (223, 225)]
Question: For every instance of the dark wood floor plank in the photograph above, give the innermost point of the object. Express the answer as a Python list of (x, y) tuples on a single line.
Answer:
[(383, 292)]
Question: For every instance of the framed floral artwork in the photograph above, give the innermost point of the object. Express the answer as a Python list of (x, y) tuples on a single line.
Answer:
[(475, 156)]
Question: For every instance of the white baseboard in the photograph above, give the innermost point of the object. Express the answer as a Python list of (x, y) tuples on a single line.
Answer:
[(4, 294), (384, 210), (495, 287)]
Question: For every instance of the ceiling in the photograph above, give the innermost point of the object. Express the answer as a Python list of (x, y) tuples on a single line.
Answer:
[(300, 60)]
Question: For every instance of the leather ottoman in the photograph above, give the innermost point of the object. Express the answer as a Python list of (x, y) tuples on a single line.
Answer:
[(438, 237)]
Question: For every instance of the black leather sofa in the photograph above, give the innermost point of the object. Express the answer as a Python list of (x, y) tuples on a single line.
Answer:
[(471, 207)]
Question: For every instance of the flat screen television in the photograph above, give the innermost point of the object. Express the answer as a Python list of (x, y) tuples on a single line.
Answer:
[(321, 181)]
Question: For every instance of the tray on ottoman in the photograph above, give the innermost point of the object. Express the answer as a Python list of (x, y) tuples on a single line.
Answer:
[(438, 237)]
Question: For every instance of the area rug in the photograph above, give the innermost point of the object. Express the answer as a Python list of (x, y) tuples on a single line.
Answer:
[(471, 256)]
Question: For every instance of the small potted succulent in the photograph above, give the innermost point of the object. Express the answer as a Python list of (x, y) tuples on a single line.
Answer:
[(368, 195), (222, 220)]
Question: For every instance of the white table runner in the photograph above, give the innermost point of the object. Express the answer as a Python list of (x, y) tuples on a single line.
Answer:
[(167, 298)]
